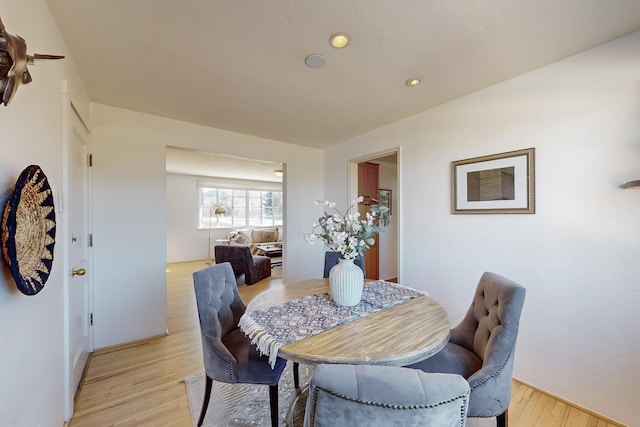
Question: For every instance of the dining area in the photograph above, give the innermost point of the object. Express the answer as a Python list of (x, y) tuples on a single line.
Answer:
[(381, 341), (379, 352)]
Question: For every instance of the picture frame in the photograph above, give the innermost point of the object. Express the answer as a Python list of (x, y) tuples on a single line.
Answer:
[(501, 183), (385, 199)]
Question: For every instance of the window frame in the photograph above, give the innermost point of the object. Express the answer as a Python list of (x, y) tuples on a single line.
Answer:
[(250, 188)]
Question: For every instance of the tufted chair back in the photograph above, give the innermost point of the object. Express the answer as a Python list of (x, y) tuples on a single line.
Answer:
[(219, 311), (490, 329), (227, 352), (481, 347), (383, 396)]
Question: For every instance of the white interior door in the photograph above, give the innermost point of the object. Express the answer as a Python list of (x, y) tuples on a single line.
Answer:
[(77, 201)]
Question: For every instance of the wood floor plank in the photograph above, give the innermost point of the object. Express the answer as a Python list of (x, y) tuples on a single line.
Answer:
[(137, 384)]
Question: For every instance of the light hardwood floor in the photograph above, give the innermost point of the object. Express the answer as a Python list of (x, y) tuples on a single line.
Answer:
[(137, 384)]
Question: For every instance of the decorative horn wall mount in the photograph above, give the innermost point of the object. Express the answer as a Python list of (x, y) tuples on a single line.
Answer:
[(13, 63)]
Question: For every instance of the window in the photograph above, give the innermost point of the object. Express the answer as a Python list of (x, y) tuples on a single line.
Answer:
[(239, 207)]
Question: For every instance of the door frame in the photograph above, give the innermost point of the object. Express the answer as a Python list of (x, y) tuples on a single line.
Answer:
[(352, 192), (70, 113)]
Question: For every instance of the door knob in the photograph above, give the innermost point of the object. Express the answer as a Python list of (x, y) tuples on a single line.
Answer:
[(78, 272)]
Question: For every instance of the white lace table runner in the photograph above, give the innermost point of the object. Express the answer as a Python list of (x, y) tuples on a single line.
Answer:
[(292, 321)]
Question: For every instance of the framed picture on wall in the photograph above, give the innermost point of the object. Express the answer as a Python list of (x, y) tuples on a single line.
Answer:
[(498, 183), (384, 197)]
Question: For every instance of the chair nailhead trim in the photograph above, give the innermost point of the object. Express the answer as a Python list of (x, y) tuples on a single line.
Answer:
[(229, 364), (387, 405), (497, 371), (500, 368)]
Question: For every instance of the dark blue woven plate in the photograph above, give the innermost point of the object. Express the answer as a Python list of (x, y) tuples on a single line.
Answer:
[(29, 231)]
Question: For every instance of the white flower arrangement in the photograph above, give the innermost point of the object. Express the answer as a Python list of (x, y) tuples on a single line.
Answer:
[(345, 233)]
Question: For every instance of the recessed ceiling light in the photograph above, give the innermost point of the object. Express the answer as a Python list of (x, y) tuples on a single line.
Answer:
[(413, 81), (314, 61), (339, 40)]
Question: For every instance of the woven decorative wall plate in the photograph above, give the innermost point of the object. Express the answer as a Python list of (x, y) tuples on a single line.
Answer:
[(29, 231)]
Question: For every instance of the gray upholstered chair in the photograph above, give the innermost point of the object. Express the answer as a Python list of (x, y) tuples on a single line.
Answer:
[(331, 259), (482, 346), (365, 395), (248, 268), (227, 351)]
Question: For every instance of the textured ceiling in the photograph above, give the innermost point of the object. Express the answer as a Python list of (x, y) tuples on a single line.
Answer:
[(239, 65), (191, 162)]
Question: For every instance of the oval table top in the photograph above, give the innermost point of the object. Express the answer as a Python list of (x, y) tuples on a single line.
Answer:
[(403, 334)]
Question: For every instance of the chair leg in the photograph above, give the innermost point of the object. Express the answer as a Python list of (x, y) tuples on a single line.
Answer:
[(502, 420), (205, 403), (296, 375), (273, 402)]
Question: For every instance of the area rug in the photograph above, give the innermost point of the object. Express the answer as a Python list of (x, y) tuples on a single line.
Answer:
[(242, 405)]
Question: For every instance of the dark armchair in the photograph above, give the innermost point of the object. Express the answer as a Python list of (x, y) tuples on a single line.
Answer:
[(227, 351), (248, 268), (482, 346)]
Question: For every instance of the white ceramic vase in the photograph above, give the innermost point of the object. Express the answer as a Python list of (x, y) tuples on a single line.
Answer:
[(346, 281)]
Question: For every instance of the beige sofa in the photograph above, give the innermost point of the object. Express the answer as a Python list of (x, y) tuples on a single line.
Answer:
[(256, 236)]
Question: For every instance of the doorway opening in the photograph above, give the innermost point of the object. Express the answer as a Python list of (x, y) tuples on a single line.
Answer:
[(385, 166), (211, 196)]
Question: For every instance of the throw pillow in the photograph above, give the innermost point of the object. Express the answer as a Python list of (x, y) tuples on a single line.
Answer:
[(244, 237)]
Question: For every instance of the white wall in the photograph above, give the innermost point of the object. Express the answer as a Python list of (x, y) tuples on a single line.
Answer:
[(130, 212), (129, 236), (185, 242), (388, 262), (577, 256), (32, 327)]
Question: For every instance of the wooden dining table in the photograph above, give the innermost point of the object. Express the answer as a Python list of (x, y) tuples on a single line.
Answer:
[(405, 333), (400, 335)]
